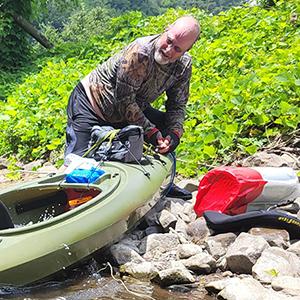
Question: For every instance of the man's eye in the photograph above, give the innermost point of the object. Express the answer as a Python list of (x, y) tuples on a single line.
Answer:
[(169, 41), (177, 49)]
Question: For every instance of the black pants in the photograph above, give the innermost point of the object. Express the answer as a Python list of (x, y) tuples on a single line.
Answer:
[(82, 117)]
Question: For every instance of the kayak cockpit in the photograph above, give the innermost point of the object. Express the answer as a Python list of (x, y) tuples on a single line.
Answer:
[(44, 199)]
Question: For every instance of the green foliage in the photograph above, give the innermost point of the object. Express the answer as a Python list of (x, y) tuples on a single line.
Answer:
[(244, 89), (80, 27), (34, 117), (245, 85), (272, 272)]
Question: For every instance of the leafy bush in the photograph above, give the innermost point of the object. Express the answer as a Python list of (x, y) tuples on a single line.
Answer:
[(245, 85), (244, 89), (80, 26)]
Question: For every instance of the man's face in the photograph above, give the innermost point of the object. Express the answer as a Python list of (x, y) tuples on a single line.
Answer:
[(172, 45)]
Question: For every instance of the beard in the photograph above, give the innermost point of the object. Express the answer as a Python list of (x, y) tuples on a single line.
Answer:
[(159, 58)]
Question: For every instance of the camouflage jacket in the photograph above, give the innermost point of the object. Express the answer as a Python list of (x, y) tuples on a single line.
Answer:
[(125, 84)]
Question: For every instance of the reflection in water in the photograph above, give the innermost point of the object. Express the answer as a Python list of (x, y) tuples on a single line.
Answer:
[(91, 281)]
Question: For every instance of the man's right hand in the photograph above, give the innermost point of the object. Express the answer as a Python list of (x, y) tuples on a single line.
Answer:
[(154, 137)]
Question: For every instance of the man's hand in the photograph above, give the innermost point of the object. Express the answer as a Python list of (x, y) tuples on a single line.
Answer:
[(163, 146), (170, 143), (154, 136)]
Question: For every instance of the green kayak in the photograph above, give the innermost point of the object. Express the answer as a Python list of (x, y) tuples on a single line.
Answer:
[(57, 224)]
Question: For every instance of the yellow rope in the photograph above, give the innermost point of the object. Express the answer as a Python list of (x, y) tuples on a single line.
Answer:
[(111, 134)]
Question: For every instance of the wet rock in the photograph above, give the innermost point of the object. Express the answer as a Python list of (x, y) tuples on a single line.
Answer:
[(276, 262), (173, 276), (216, 286), (123, 254), (143, 270), (244, 252)]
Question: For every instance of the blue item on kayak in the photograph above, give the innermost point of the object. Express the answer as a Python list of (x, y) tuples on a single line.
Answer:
[(221, 223), (84, 176)]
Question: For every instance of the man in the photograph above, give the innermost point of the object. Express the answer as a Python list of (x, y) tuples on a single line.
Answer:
[(119, 91)]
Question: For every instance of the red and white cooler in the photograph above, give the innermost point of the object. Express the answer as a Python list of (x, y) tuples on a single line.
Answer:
[(236, 190)]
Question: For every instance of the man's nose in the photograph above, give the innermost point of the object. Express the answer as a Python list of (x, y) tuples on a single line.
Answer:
[(169, 48)]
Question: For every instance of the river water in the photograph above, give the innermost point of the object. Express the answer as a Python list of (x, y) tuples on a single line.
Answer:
[(92, 281)]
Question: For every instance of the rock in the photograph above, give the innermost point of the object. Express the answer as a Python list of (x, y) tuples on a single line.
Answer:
[(217, 245), (173, 276), (287, 284), (181, 227), (188, 209), (216, 286), (198, 231), (295, 248), (159, 242), (35, 164), (274, 237), (222, 263), (201, 263), (244, 252), (153, 229), (143, 270), (4, 163), (187, 250), (123, 254), (276, 262), (189, 185), (263, 159), (245, 289), (167, 220)]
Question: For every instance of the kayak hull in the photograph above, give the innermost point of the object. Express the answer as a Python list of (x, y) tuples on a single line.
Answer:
[(49, 236)]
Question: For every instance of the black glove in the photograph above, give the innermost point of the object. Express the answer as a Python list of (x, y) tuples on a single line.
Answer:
[(153, 136), (174, 139)]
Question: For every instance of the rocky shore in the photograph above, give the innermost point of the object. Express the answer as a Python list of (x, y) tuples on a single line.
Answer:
[(176, 249), (173, 247)]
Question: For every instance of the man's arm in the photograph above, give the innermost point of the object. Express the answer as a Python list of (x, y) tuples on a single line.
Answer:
[(178, 96)]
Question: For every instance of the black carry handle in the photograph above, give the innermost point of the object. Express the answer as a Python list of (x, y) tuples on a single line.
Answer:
[(60, 197), (221, 223)]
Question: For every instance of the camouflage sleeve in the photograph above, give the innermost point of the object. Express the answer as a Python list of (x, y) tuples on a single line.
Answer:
[(132, 71), (178, 96)]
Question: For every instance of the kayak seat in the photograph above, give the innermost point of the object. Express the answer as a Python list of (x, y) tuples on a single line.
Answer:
[(5, 218)]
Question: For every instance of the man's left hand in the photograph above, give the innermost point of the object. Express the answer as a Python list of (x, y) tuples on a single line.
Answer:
[(170, 143)]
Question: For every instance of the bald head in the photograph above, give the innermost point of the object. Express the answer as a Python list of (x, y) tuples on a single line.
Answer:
[(186, 27)]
